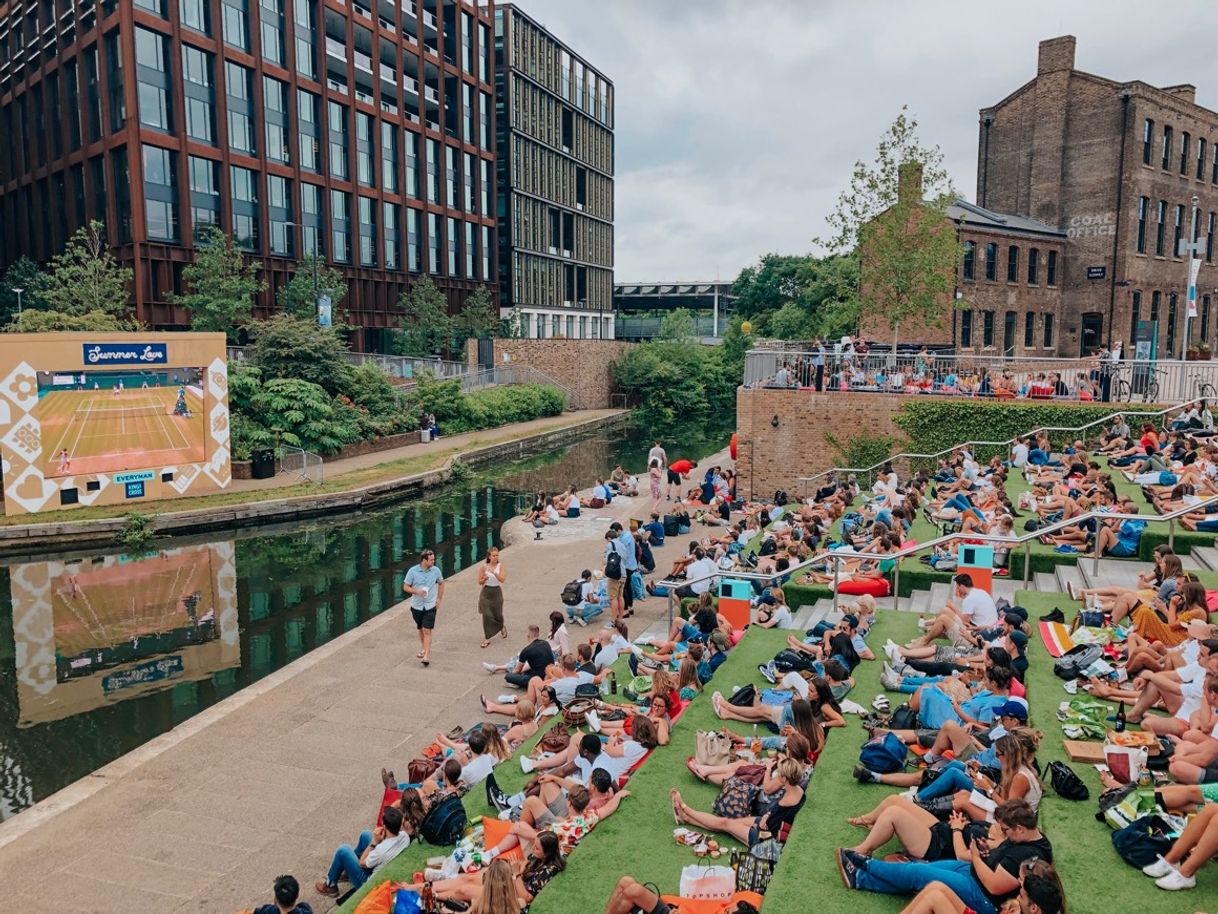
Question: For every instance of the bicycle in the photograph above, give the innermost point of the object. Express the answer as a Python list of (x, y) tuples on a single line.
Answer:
[(1204, 390), (1123, 389)]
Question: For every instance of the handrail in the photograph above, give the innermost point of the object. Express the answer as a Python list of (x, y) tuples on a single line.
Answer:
[(836, 555), (1043, 428)]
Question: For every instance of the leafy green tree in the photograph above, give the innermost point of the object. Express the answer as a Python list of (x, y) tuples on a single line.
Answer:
[(382, 407), (426, 325), (26, 275), (86, 278), (293, 347), (313, 277), (833, 296), (792, 322), (301, 414), (221, 284), (513, 326), (55, 321), (736, 343), (677, 325), (776, 280), (478, 316)]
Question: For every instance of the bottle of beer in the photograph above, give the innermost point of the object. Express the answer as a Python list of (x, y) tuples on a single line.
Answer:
[(612, 682), (1119, 726), (428, 901)]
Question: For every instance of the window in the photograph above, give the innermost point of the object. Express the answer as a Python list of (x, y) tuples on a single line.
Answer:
[(412, 240), (196, 15), (451, 177), (467, 112), (467, 177), (1143, 211), (93, 93), (389, 160), (114, 71), (1178, 236), (1186, 157), (204, 193), (306, 40), (312, 232), (151, 70), (338, 143), (365, 169), (156, 7), (236, 23), (1012, 264), (239, 84), (970, 261), (987, 328), (1205, 318), (1214, 173), (1008, 332), (1148, 141), (1209, 238), (433, 180), (391, 228), (340, 225), (1161, 229), (1201, 158), (1135, 317), (1172, 300), (1154, 308), (71, 77), (433, 242), (1029, 330), (412, 164), (1033, 266), (470, 251), (310, 130), (1166, 159), (991, 261), (271, 15), (1047, 340), (1051, 269), (367, 231), (200, 92), (454, 244), (279, 214), (275, 111), (486, 253), (97, 181), (467, 42), (245, 208), (485, 116), (161, 193), (485, 50)]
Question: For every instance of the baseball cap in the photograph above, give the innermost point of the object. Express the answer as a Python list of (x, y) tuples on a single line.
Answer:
[(1019, 639), (851, 619), (1013, 709)]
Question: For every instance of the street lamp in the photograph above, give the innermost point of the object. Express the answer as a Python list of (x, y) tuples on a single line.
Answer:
[(18, 291)]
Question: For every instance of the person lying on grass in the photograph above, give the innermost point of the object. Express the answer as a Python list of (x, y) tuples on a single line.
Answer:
[(549, 804), (657, 714), (796, 747), (1040, 892), (505, 886), (783, 775), (906, 672), (803, 722), (617, 756), (952, 700), (957, 788), (631, 897), (570, 829), (824, 706), (547, 705), (983, 872)]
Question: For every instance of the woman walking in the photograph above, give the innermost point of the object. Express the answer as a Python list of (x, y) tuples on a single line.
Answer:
[(655, 474), (490, 600)]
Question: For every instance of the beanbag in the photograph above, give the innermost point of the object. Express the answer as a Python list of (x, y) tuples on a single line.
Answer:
[(876, 587)]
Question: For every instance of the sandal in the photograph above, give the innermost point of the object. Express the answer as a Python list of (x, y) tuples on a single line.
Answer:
[(419, 655), (485, 644), (880, 703), (690, 763), (485, 704), (503, 634), (675, 798)]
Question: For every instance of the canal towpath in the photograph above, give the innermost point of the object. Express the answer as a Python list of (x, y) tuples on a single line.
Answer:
[(272, 779)]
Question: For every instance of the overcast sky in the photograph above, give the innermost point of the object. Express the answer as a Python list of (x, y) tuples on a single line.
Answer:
[(738, 121)]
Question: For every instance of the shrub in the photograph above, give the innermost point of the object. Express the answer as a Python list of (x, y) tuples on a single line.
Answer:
[(934, 425), (292, 348), (301, 414)]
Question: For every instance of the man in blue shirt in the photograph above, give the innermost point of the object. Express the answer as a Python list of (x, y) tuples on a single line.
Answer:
[(425, 585), (625, 547), (655, 530)]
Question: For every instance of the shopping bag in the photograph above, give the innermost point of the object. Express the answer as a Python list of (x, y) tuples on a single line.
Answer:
[(1124, 762), (707, 881), (712, 748)]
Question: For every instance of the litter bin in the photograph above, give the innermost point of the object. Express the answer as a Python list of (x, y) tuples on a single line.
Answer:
[(262, 463), (425, 435)]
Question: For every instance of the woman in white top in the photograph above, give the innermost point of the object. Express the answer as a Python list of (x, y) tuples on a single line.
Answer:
[(557, 638), (490, 599)]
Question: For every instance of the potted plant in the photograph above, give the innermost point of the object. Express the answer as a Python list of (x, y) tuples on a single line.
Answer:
[(1199, 353)]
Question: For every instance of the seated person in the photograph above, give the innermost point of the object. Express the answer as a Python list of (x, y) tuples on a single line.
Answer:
[(601, 495), (631, 896), (532, 661), (517, 880), (594, 597), (658, 712), (547, 706), (782, 774), (373, 850), (567, 503), (953, 700), (1040, 893), (286, 890), (654, 529), (1198, 843), (549, 804), (617, 756)]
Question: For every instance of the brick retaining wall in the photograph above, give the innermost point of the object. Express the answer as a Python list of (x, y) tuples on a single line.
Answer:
[(581, 365)]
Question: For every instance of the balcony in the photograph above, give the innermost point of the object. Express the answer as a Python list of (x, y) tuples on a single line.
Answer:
[(387, 25), (365, 97), (389, 74), (336, 49), (411, 84), (362, 61), (431, 94), (361, 11)]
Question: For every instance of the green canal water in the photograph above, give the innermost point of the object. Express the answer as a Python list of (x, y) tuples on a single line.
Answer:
[(102, 652)]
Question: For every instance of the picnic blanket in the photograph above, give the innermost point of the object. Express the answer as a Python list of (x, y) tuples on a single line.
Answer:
[(1056, 637)]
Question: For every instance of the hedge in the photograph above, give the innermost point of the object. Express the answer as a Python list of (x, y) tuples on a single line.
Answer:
[(457, 412), (934, 425)]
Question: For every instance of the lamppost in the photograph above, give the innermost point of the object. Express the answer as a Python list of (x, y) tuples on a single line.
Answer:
[(18, 291), (1193, 248)]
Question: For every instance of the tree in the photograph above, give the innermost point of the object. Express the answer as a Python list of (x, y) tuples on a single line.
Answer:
[(221, 285), (300, 414), (313, 277), (86, 278), (478, 316), (425, 324), (293, 347), (834, 296), (513, 326), (55, 321), (677, 326), (792, 322), (26, 275), (776, 280)]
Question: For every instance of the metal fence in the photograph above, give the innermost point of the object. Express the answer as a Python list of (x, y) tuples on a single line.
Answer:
[(514, 374), (1162, 381), (396, 366), (305, 464)]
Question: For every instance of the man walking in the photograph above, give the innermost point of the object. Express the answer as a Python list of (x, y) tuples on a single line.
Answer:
[(425, 584), (657, 452)]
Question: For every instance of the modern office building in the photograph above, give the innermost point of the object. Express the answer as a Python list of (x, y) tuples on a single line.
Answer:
[(640, 307), (555, 164), (360, 129)]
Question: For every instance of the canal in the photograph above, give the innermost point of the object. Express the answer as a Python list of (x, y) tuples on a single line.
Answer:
[(100, 653)]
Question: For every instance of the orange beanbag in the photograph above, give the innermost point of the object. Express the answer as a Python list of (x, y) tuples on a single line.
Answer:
[(709, 905), (494, 831)]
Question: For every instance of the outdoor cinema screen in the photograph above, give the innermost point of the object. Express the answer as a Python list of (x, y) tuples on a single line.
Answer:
[(106, 421)]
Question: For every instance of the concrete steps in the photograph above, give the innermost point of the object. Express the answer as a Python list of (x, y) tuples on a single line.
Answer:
[(1068, 574), (1206, 556), (1044, 582)]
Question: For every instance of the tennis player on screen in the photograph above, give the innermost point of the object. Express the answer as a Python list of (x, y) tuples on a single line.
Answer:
[(65, 462)]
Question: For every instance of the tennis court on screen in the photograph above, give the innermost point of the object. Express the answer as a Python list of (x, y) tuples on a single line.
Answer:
[(106, 430)]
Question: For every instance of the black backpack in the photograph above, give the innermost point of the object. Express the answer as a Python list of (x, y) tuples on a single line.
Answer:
[(445, 823), (572, 593), (1067, 784), (1072, 663), (780, 497), (1143, 840), (787, 660), (613, 565), (646, 560), (744, 696), (672, 526), (904, 718)]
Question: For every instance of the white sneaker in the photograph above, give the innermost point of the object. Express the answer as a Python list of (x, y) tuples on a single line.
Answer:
[(580, 620), (890, 680), (489, 667), (1175, 881), (893, 651), (1158, 869), (594, 722), (716, 700), (527, 764), (508, 699)]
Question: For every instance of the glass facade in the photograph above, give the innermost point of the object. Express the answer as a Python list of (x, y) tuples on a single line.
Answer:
[(161, 193), (199, 89), (245, 208)]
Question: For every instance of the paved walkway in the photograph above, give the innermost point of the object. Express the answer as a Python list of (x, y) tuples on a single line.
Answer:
[(269, 781), (461, 442)]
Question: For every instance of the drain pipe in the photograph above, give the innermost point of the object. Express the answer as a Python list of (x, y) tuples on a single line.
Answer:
[(1116, 234)]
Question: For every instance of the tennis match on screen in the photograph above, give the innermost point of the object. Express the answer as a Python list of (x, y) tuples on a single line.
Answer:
[(107, 421)]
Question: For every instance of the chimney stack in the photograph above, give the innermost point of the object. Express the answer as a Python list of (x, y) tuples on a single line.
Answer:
[(1056, 54), (909, 182)]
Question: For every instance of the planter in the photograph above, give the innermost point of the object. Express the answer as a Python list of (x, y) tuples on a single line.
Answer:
[(1197, 355)]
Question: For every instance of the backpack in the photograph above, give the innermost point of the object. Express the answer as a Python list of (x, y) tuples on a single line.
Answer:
[(904, 718), (1142, 841), (757, 866), (572, 593), (883, 754), (613, 565), (780, 498), (646, 560), (787, 660), (1067, 784), (851, 521), (1072, 663), (672, 526), (743, 697), (445, 823)]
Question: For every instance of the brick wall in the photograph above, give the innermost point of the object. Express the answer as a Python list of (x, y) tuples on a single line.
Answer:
[(580, 365), (770, 458)]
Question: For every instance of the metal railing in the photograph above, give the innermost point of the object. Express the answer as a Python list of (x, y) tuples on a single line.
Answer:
[(396, 366), (836, 556), (1049, 429), (513, 374), (305, 464), (1143, 381)]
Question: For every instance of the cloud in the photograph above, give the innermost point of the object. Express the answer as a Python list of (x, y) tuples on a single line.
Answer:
[(737, 123)]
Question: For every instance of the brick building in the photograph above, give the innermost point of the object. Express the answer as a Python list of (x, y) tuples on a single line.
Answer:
[(555, 142), (362, 131), (1115, 166)]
